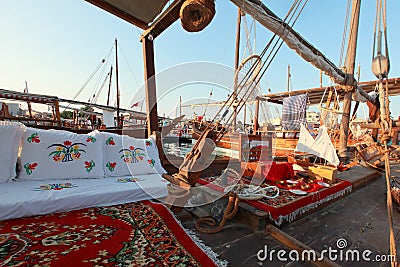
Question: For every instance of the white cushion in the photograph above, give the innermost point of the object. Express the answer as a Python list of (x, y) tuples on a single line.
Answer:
[(152, 149), (10, 136), (55, 154), (125, 155)]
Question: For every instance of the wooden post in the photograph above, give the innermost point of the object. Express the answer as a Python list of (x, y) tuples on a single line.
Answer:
[(57, 113), (117, 83), (150, 85), (256, 116), (239, 21), (350, 81)]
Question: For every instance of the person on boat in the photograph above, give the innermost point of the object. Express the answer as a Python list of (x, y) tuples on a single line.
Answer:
[(89, 123)]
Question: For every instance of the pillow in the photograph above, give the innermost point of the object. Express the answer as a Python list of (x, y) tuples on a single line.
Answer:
[(56, 154), (10, 134), (125, 155), (152, 150)]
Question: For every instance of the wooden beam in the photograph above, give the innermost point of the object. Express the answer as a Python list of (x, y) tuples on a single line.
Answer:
[(166, 19), (119, 13), (293, 243), (150, 85)]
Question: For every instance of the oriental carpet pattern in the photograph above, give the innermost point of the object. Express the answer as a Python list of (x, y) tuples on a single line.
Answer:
[(287, 206), (134, 234)]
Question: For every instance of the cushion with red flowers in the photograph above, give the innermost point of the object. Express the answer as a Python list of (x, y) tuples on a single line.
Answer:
[(11, 134), (152, 150), (125, 155), (55, 154)]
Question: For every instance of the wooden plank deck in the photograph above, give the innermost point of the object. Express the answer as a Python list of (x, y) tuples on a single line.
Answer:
[(360, 218)]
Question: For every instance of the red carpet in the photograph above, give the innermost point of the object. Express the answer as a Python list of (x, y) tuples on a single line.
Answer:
[(287, 206), (134, 234)]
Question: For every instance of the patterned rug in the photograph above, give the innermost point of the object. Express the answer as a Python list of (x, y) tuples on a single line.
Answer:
[(134, 234), (287, 206)]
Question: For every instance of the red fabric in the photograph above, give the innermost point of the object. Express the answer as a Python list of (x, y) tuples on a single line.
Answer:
[(134, 234), (279, 171), (300, 202), (286, 203)]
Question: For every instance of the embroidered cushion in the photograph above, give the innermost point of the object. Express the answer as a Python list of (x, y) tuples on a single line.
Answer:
[(125, 155), (55, 154), (10, 134), (152, 150)]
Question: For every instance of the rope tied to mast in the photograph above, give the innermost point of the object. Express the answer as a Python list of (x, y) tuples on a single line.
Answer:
[(380, 67)]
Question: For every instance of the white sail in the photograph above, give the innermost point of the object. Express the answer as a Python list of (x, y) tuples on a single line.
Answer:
[(306, 141), (324, 148)]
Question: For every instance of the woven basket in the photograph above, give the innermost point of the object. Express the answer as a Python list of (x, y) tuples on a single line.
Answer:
[(196, 14)]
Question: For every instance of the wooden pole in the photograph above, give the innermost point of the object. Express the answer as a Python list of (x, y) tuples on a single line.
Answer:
[(57, 113), (239, 21), (109, 87), (180, 106), (350, 81), (256, 115), (288, 79), (244, 117), (117, 82), (150, 85), (320, 78)]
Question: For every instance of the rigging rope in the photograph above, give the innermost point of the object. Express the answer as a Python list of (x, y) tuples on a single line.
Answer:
[(381, 71), (229, 102), (344, 38)]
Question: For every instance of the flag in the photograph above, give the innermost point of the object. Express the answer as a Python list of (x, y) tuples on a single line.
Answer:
[(136, 104)]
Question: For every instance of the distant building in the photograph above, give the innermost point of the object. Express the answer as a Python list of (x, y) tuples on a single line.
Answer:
[(313, 117), (13, 109)]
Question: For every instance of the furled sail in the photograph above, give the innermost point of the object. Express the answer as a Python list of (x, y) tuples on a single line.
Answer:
[(295, 41)]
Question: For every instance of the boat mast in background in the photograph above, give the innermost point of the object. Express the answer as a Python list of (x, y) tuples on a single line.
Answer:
[(109, 87), (237, 47), (119, 125)]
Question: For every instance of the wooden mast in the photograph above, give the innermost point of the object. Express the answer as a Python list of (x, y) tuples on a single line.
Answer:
[(109, 87), (237, 47), (351, 83), (116, 77)]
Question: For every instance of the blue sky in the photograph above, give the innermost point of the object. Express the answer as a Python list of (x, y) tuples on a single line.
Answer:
[(56, 45)]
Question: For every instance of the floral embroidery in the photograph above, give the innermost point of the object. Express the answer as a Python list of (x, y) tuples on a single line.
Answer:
[(30, 167), (89, 165), (151, 162), (111, 166), (149, 143), (67, 151), (55, 186), (132, 154), (110, 142), (129, 180), (34, 138), (91, 139)]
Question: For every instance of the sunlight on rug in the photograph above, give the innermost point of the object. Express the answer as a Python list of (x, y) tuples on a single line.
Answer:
[(134, 234)]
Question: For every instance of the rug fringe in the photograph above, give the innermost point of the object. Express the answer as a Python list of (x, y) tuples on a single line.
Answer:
[(200, 243), (292, 216), (208, 250)]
